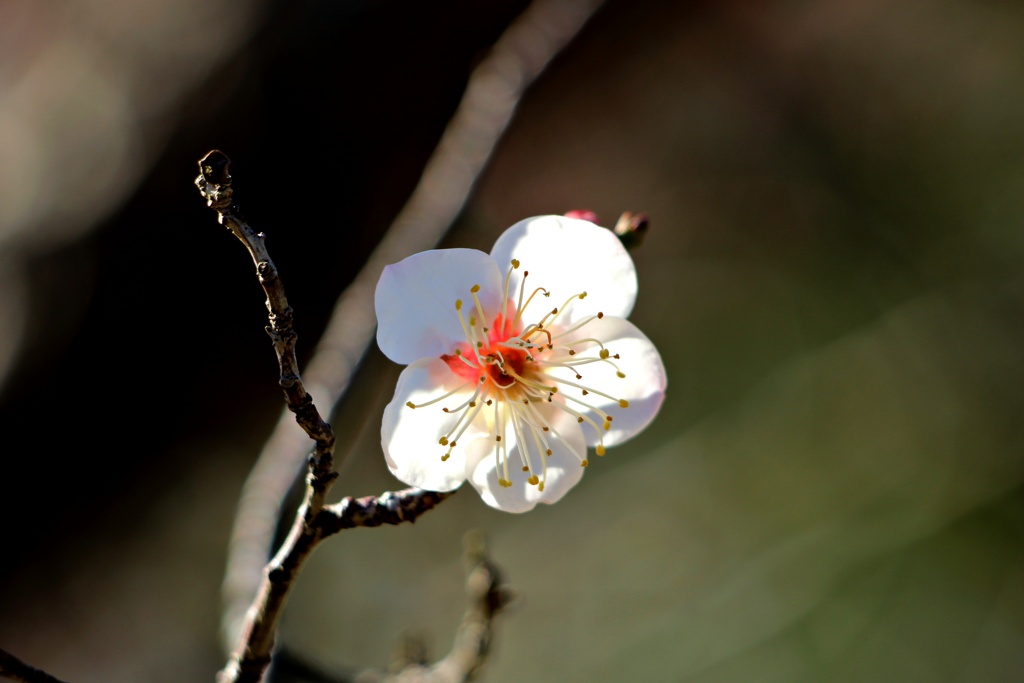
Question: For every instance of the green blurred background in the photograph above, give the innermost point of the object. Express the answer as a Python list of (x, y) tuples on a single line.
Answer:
[(833, 491)]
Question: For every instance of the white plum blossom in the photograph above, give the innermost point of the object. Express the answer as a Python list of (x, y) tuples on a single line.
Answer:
[(518, 361)]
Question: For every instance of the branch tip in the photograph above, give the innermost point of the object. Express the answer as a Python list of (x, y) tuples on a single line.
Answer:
[(215, 168)]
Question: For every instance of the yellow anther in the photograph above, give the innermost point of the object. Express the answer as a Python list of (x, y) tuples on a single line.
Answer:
[(620, 375), (600, 449), (458, 304), (445, 457), (607, 426), (604, 353), (443, 441), (410, 404), (623, 403), (515, 263), (472, 321), (583, 295), (475, 288), (584, 462), (540, 487), (534, 480)]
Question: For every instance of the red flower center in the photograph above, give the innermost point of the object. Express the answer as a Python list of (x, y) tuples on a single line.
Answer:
[(492, 359)]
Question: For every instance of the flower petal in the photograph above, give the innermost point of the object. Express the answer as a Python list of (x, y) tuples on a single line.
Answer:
[(563, 469), (415, 301), (410, 436), (643, 385), (568, 256)]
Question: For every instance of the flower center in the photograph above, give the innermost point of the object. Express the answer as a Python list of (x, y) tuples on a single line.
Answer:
[(492, 359), (507, 368)]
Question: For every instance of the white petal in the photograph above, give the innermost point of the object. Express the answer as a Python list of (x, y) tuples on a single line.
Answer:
[(643, 386), (567, 256), (409, 436), (563, 469), (415, 301)]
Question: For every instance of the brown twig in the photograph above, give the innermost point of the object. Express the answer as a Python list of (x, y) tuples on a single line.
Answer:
[(16, 670), (391, 508), (252, 654), (486, 596), (214, 183), (492, 94)]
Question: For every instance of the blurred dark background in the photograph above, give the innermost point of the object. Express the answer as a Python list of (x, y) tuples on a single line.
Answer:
[(833, 276)]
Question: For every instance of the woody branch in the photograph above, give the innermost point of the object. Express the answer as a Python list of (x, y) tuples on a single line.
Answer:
[(313, 521)]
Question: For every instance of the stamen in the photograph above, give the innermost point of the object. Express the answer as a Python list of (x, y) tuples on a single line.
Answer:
[(470, 337), (439, 398), (590, 390), (557, 311), (542, 448), (479, 308), (522, 307), (536, 328), (519, 303), (458, 354), (585, 321), (465, 419), (604, 416), (524, 451), (471, 401), (580, 417), (586, 361), (530, 383), (504, 297), (549, 427), (501, 450)]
